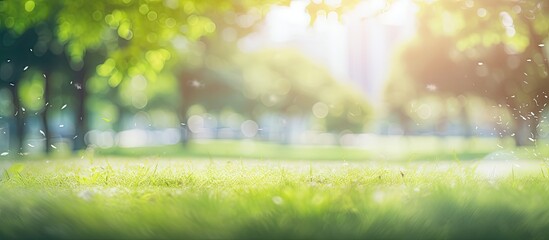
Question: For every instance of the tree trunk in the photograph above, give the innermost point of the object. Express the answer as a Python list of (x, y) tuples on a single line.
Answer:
[(441, 125), (45, 127), (405, 121), (185, 91), (465, 118), (80, 123), (185, 134), (525, 132), (19, 139)]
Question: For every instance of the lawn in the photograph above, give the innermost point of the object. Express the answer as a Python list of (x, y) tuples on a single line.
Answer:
[(192, 198), (393, 148)]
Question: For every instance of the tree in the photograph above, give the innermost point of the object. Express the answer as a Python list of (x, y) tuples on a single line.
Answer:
[(288, 83), (136, 37), (12, 69), (492, 49), (16, 54), (277, 82)]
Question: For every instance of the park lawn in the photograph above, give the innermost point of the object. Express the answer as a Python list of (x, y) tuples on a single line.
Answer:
[(392, 148), (154, 198)]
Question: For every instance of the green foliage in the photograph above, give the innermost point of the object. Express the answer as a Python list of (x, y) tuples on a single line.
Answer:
[(137, 34), (276, 81), (31, 92), (489, 49), (109, 43), (21, 15), (287, 82)]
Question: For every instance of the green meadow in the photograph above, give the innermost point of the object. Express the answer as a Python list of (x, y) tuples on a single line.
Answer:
[(115, 197)]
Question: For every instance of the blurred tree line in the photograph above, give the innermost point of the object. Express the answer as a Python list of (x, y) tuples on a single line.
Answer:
[(90, 64), (494, 50)]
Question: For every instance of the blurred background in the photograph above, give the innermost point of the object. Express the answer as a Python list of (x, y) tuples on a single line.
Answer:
[(386, 77)]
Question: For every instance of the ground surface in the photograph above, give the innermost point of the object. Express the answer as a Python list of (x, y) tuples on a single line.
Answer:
[(131, 198)]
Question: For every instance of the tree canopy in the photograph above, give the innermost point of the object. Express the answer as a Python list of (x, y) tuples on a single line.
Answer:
[(93, 58), (115, 40), (492, 49)]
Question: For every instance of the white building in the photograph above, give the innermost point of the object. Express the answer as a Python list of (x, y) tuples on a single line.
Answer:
[(357, 48)]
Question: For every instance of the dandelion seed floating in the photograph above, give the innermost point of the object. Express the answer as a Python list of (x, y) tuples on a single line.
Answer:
[(277, 200), (86, 195), (196, 84)]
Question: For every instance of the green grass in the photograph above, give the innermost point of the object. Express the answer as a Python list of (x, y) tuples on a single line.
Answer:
[(129, 198), (394, 148)]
